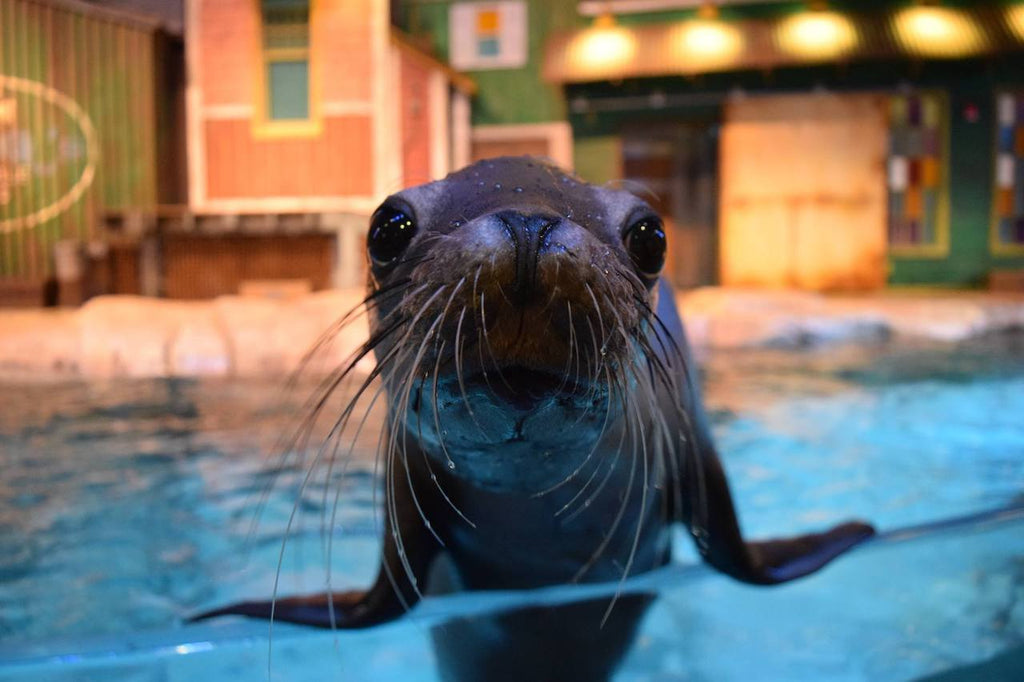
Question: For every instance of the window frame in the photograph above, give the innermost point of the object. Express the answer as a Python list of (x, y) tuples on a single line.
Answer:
[(939, 248), (997, 246), (264, 126)]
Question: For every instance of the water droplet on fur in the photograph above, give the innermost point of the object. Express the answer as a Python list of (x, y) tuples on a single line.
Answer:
[(497, 185), (517, 189)]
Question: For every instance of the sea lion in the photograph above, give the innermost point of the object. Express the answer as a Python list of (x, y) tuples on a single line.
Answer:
[(544, 423)]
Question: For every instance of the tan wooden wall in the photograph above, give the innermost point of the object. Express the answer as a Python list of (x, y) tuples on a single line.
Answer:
[(803, 194)]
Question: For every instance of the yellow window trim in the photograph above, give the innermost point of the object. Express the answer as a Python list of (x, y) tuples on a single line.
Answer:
[(996, 245), (940, 247), (263, 127)]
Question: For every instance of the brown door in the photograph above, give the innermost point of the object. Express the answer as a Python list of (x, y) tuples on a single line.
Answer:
[(803, 200)]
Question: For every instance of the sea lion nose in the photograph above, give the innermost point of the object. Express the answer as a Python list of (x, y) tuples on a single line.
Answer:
[(529, 236)]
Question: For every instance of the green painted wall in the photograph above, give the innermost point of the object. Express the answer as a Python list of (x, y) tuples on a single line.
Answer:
[(597, 159), (106, 67), (506, 95)]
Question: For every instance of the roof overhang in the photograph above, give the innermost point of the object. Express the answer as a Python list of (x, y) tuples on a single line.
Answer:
[(613, 52)]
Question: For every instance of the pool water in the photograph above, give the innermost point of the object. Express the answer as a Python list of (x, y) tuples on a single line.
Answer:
[(125, 507)]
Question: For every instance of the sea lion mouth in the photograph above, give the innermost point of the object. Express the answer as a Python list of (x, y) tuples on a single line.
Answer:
[(525, 388)]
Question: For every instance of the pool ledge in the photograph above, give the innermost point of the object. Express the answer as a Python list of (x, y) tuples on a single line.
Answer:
[(130, 336)]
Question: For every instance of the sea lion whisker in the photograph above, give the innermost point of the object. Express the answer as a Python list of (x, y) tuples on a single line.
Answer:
[(569, 356), (641, 516), (662, 374), (417, 363), (620, 513), (332, 437), (439, 352), (575, 472), (459, 375), (595, 362), (341, 423), (298, 440), (619, 391), (490, 350), (600, 322), (355, 312), (699, 519), (444, 448), (392, 447), (337, 498)]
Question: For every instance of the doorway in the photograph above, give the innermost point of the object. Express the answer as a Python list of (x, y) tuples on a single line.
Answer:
[(674, 167)]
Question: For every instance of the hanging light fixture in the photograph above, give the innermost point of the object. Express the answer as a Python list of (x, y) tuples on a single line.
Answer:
[(929, 30), (605, 48), (1015, 19), (706, 42), (817, 33)]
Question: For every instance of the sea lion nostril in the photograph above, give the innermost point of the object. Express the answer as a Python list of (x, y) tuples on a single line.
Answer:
[(529, 237)]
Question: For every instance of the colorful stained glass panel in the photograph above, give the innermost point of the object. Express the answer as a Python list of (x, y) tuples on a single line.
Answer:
[(917, 168), (1009, 171)]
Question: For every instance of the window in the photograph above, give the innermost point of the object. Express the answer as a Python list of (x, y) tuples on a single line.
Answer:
[(917, 175), (1008, 223), (286, 95)]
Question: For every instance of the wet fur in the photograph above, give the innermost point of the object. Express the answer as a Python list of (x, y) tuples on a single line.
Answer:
[(544, 427)]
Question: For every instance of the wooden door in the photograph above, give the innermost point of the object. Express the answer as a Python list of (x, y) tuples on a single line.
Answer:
[(803, 200)]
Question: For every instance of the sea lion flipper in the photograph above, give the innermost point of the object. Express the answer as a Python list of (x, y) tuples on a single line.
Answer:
[(778, 561), (395, 591), (703, 501), (767, 562), (337, 610)]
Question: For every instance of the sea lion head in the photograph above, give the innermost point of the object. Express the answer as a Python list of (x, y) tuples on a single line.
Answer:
[(509, 303)]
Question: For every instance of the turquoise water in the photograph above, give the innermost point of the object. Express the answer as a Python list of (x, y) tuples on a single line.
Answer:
[(124, 507)]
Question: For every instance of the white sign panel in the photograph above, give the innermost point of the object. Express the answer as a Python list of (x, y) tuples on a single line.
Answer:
[(487, 35)]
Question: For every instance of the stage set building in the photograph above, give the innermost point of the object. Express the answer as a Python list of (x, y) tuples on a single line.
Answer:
[(224, 146)]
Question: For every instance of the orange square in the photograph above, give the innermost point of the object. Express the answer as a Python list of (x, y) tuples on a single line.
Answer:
[(912, 204), (1004, 203), (487, 21), (930, 172)]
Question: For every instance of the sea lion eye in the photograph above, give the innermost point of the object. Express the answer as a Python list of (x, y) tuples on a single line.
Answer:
[(645, 241), (391, 230)]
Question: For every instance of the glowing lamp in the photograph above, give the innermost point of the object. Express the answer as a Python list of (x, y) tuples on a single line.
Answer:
[(937, 32), (605, 47), (1015, 19), (708, 43), (817, 35)]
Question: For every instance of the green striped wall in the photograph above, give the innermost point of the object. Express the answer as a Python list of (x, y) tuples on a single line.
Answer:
[(105, 64)]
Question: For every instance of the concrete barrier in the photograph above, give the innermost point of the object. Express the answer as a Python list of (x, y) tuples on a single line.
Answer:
[(132, 336)]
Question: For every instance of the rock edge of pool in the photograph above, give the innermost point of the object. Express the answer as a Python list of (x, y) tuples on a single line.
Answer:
[(251, 337)]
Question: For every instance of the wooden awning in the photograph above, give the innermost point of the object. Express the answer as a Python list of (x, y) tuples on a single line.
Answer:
[(811, 37)]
